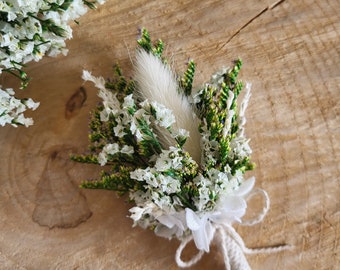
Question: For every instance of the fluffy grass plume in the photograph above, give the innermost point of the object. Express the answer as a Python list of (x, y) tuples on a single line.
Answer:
[(157, 82)]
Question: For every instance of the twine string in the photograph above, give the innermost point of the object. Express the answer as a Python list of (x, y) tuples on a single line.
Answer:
[(232, 244)]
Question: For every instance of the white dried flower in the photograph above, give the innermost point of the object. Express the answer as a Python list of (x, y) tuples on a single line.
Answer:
[(12, 109)]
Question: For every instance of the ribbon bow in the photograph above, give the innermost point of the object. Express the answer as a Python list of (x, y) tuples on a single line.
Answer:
[(204, 226)]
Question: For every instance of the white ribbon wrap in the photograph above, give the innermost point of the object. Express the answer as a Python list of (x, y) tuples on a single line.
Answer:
[(204, 226)]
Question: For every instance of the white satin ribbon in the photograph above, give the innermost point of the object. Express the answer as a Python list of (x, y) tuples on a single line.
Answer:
[(229, 209), (204, 226)]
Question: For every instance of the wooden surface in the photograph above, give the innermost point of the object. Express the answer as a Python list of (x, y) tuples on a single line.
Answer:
[(291, 55)]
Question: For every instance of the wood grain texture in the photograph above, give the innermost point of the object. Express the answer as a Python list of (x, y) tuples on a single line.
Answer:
[(291, 55)]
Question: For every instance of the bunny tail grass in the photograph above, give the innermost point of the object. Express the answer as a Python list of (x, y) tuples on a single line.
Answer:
[(156, 82)]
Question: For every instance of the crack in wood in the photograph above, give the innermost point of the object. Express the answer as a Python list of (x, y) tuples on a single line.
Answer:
[(270, 7)]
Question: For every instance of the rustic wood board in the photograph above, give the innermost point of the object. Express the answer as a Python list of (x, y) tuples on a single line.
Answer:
[(291, 55)]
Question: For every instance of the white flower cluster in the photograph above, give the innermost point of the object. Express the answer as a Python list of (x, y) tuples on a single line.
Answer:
[(162, 183), (28, 31), (12, 109), (112, 149), (130, 119), (31, 29)]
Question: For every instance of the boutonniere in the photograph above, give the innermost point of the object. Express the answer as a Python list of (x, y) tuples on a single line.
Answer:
[(179, 153)]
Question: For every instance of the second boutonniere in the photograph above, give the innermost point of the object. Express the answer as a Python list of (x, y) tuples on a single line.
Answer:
[(179, 154)]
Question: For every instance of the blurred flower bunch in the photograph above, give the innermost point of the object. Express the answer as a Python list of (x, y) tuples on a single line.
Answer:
[(180, 187), (11, 109), (28, 31)]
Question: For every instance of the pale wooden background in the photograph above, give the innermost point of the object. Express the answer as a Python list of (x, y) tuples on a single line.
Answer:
[(291, 53)]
